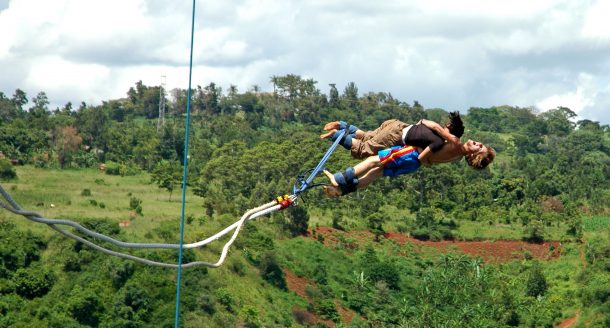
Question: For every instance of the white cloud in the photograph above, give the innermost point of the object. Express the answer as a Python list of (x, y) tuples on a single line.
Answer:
[(596, 24), (442, 53)]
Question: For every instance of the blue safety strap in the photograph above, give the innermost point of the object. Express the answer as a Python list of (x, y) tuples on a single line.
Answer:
[(306, 184)]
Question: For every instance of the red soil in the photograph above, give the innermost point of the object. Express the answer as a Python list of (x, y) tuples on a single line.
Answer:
[(298, 285), (569, 322), (497, 251), (491, 251)]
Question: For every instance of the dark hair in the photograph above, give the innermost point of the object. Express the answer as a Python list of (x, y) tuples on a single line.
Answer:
[(455, 124)]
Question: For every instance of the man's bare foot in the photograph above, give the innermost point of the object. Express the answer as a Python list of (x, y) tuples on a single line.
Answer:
[(332, 126), (332, 191), (328, 134), (331, 177)]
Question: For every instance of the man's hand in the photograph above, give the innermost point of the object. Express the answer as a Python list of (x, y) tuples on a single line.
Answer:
[(453, 139)]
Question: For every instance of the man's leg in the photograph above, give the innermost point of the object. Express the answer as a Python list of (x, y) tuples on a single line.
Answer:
[(368, 164), (335, 126), (385, 136), (369, 177), (370, 169)]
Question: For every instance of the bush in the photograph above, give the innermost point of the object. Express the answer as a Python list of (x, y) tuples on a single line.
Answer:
[(298, 220), (102, 226), (536, 282), (121, 169), (86, 192), (534, 232), (386, 272), (31, 283), (135, 204), (7, 171), (85, 306), (272, 272)]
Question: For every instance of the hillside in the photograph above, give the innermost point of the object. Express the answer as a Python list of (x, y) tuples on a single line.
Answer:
[(525, 242)]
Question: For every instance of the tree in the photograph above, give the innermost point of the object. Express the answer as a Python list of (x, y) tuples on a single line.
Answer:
[(298, 220), (536, 282), (375, 224), (39, 113), (485, 119), (19, 99), (85, 306), (535, 232), (67, 143), (209, 99), (167, 175), (271, 271), (558, 120), (8, 110), (289, 86), (350, 96), (333, 96), (93, 124), (33, 282)]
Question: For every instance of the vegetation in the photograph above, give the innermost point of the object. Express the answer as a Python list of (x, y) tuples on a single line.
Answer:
[(104, 165)]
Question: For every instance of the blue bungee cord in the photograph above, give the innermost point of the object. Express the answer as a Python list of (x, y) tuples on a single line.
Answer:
[(185, 161)]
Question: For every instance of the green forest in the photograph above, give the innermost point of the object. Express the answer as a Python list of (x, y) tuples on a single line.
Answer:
[(116, 168)]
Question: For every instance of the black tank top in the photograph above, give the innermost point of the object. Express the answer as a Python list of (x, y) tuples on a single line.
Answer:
[(420, 135)]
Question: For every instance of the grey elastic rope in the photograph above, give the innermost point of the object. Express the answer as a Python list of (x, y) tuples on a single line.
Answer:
[(13, 207)]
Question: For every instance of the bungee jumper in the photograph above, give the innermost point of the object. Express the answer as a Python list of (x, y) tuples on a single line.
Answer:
[(397, 148)]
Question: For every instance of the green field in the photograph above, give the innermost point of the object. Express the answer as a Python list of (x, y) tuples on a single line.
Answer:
[(596, 223), (57, 194)]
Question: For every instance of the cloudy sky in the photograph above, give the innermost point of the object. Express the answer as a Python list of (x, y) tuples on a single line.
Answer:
[(448, 54)]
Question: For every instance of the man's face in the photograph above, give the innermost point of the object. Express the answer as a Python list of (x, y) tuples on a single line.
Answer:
[(473, 147)]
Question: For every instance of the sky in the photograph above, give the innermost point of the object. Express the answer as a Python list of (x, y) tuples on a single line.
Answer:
[(444, 54)]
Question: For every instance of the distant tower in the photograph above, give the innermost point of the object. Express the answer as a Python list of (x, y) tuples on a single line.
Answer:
[(161, 121)]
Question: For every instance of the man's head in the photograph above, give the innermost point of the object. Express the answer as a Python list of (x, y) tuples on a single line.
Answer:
[(478, 156)]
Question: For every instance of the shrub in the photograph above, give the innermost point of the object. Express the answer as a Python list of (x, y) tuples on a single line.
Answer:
[(534, 232), (298, 220), (387, 272), (103, 226), (31, 283), (135, 204), (303, 317), (224, 297), (7, 171), (85, 306), (121, 169), (207, 303), (536, 282), (271, 271), (86, 192)]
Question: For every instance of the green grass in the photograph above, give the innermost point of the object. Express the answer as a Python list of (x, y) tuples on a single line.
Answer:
[(57, 194), (473, 230), (596, 223)]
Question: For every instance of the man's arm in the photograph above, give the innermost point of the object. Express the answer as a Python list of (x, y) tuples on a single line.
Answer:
[(423, 155), (441, 131)]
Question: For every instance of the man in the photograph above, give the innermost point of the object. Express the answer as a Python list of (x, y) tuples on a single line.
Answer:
[(409, 146)]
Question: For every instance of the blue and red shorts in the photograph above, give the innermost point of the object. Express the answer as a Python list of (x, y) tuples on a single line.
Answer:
[(399, 160)]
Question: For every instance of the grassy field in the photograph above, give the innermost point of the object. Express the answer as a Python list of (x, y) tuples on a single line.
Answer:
[(59, 194), (596, 223)]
